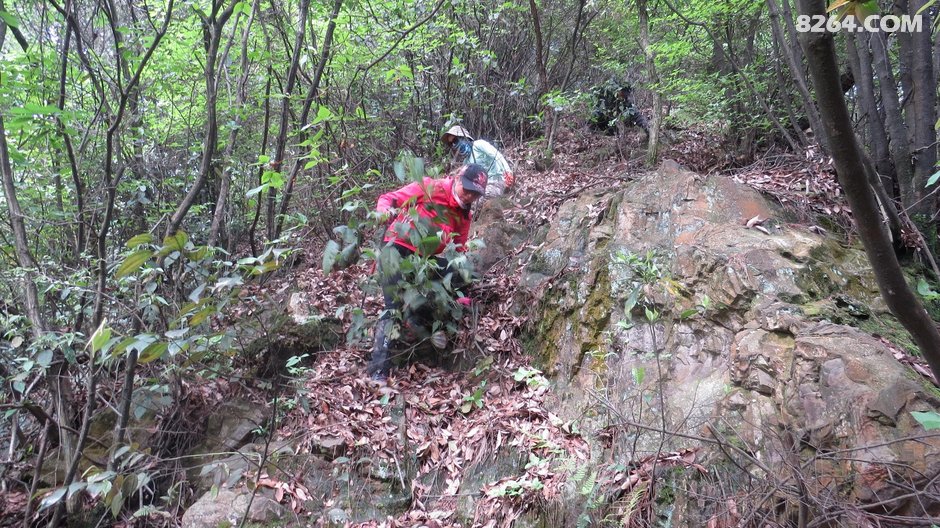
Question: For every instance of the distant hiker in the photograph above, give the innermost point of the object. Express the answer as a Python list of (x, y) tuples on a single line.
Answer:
[(439, 206), (481, 152), (613, 104)]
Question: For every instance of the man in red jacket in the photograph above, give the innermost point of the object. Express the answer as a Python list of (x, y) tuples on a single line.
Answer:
[(428, 215)]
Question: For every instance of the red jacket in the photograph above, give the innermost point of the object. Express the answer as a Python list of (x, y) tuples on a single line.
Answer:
[(434, 200)]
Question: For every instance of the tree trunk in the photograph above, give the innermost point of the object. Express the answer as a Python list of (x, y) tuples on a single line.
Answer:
[(794, 57), (787, 100), (851, 170), (858, 46), (79, 245), (540, 67), (312, 93), (213, 26), (24, 258), (866, 100), (280, 145), (652, 152), (923, 119), (240, 97), (905, 67), (897, 133)]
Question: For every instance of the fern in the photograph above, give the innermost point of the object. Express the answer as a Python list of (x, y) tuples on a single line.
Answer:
[(579, 474), (584, 520), (632, 501), (588, 486)]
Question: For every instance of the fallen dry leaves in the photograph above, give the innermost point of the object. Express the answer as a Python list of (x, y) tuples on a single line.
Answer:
[(420, 430)]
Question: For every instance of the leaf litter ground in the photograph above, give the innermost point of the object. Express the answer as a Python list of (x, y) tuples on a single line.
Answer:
[(430, 428)]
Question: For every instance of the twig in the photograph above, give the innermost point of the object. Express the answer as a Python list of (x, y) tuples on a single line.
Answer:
[(264, 454), (37, 472)]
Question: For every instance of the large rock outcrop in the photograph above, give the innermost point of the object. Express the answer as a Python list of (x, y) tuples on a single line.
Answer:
[(656, 305)]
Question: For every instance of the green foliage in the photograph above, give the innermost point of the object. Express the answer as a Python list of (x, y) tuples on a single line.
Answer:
[(929, 420), (115, 489), (516, 487), (474, 399), (643, 271), (532, 377), (925, 291)]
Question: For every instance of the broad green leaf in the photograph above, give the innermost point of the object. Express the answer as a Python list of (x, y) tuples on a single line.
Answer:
[(630, 304), (933, 179), (100, 337), (52, 499), (429, 244), (175, 242), (198, 254), (272, 179), (256, 190), (323, 114), (201, 315), (133, 262), (399, 169), (117, 503), (176, 334), (330, 252), (229, 282), (122, 346), (143, 238), (33, 109), (138, 342), (924, 289), (267, 267), (242, 7), (153, 352), (197, 293), (9, 19), (44, 358), (930, 419), (76, 486)]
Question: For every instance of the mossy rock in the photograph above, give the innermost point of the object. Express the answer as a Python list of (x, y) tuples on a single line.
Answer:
[(286, 339)]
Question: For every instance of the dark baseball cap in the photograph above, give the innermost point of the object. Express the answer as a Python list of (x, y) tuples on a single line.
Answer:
[(474, 178)]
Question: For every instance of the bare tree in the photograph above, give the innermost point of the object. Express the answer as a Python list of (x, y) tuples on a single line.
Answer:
[(280, 143), (794, 57), (312, 94), (860, 61), (241, 96), (923, 116), (652, 153), (212, 28)]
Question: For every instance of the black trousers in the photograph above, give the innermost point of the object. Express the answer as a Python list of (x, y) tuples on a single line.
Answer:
[(392, 292)]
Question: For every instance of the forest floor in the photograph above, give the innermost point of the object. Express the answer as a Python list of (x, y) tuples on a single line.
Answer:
[(455, 419)]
